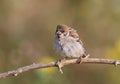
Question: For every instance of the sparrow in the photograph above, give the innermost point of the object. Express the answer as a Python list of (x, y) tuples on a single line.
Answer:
[(68, 43)]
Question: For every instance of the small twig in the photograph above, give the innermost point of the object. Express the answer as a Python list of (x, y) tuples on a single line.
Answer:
[(59, 65)]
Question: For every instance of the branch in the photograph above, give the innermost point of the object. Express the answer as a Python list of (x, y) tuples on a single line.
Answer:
[(58, 64)]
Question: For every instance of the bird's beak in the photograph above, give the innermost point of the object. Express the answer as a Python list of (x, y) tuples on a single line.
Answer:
[(58, 33)]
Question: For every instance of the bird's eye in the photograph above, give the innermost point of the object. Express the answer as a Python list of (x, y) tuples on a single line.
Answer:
[(62, 31)]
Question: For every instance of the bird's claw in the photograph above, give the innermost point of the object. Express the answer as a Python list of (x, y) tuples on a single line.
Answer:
[(79, 61), (59, 65)]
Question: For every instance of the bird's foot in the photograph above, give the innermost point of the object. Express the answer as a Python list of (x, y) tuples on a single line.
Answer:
[(59, 65), (80, 59)]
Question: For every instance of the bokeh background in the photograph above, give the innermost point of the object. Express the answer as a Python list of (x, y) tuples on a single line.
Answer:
[(26, 36)]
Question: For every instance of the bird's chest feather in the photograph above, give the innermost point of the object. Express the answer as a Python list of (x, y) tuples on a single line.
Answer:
[(70, 47)]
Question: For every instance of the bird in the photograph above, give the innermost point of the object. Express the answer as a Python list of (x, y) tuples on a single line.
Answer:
[(68, 43)]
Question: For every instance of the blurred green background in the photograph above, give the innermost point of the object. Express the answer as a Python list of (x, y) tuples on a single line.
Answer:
[(26, 36)]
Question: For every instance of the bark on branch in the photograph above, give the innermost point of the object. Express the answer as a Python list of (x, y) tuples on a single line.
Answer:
[(58, 64)]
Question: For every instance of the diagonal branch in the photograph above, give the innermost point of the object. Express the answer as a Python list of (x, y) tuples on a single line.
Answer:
[(56, 64)]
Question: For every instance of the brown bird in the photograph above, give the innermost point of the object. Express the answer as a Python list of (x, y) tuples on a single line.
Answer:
[(68, 43)]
